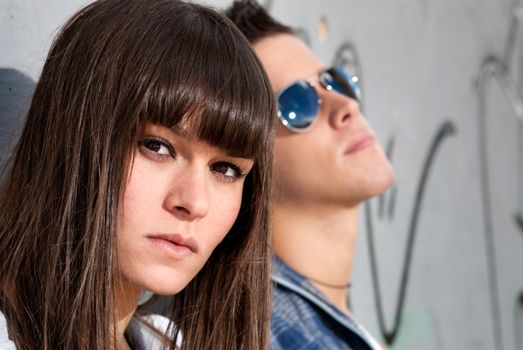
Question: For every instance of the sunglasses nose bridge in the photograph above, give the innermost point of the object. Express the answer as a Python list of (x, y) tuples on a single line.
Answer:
[(324, 83), (340, 80), (317, 93)]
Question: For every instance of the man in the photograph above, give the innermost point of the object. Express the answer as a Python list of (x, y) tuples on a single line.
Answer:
[(327, 162)]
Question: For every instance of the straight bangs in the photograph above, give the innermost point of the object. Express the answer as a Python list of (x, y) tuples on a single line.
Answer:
[(207, 81)]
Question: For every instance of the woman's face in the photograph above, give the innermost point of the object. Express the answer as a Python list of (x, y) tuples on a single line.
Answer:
[(181, 198)]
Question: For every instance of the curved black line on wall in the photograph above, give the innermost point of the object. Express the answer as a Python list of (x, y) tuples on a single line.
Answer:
[(492, 68), (519, 222), (446, 129)]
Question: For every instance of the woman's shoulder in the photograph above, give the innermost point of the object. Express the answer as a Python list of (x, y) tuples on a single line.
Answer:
[(5, 342)]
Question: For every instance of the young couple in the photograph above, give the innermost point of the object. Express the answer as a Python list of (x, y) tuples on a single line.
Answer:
[(145, 164)]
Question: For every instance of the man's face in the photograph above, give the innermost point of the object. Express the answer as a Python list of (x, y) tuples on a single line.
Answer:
[(338, 161)]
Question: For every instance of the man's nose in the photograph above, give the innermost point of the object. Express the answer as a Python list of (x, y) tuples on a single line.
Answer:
[(341, 109)]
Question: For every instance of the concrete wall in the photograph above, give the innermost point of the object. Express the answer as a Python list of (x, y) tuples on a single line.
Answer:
[(440, 80)]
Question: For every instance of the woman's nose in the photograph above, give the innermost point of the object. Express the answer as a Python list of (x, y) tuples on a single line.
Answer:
[(188, 195)]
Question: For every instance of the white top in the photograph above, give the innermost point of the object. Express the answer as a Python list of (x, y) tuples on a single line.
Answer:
[(147, 338), (142, 334), (5, 343)]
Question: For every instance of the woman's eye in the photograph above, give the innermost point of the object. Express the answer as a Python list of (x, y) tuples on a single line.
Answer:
[(228, 171), (157, 147)]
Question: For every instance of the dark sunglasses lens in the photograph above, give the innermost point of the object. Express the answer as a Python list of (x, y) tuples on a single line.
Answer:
[(298, 105), (343, 82)]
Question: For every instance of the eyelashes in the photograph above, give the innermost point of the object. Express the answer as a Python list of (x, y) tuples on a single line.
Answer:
[(229, 171), (158, 149)]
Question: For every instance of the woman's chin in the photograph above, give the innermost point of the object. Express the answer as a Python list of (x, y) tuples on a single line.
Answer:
[(161, 286), (166, 289)]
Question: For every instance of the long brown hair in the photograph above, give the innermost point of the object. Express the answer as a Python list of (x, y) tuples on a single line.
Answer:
[(114, 66)]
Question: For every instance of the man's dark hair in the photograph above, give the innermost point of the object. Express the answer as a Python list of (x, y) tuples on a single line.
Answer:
[(254, 21)]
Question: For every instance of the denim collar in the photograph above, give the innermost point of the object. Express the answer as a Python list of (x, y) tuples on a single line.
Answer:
[(284, 276)]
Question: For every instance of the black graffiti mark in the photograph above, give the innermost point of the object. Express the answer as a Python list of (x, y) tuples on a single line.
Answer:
[(492, 68), (518, 323), (445, 130), (512, 45), (519, 221), (518, 312)]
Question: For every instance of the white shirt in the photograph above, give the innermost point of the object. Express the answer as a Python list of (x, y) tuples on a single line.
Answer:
[(5, 343), (141, 333)]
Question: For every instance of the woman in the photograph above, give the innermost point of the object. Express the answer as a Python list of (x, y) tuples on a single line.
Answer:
[(144, 164)]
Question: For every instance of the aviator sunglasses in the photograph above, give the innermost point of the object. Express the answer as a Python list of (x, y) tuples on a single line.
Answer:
[(299, 102)]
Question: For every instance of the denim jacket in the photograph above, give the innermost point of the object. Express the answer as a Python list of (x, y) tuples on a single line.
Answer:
[(303, 319)]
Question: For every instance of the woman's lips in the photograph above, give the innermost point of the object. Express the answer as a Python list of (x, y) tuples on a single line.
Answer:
[(361, 144), (175, 244)]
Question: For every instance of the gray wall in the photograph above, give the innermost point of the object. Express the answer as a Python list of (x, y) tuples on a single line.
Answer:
[(445, 240)]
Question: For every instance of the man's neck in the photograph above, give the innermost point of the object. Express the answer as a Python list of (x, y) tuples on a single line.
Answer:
[(318, 243)]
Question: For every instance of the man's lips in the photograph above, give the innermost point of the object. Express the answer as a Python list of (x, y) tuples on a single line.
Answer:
[(177, 239), (361, 143)]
